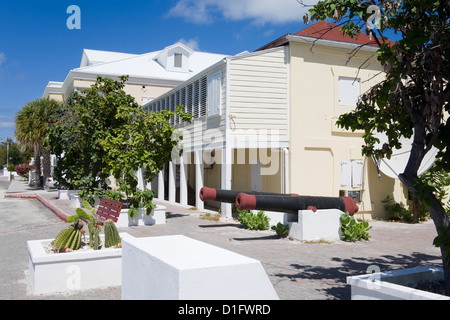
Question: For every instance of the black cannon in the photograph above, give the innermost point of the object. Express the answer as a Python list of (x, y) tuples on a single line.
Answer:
[(292, 204), (229, 196)]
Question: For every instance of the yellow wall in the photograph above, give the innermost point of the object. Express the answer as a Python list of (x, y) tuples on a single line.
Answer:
[(134, 90), (317, 145)]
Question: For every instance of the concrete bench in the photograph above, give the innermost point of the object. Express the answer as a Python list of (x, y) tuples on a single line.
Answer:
[(178, 267)]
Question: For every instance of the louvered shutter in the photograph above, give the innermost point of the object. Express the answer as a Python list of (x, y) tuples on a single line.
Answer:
[(214, 93)]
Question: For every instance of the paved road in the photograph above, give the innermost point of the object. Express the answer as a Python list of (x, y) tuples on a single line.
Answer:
[(298, 271)]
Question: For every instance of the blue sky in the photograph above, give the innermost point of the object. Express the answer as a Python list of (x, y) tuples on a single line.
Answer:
[(37, 47)]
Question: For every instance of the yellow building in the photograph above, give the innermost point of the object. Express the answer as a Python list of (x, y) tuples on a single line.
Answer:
[(266, 121)]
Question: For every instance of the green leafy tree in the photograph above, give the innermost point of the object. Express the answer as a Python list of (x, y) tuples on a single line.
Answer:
[(78, 130), (14, 152), (32, 125), (143, 141), (413, 100)]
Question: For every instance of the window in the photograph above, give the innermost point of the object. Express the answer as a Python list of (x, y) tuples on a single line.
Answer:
[(178, 60), (214, 94), (349, 91), (352, 173)]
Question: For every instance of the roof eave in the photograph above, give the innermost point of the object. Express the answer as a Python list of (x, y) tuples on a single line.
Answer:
[(331, 43)]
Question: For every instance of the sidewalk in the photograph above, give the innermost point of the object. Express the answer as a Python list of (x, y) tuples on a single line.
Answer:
[(297, 270)]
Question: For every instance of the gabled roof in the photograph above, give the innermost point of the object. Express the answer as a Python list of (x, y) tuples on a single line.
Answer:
[(91, 57), (330, 31), (326, 31), (143, 65)]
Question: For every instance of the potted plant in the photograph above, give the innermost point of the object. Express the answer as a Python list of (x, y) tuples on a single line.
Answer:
[(56, 264)]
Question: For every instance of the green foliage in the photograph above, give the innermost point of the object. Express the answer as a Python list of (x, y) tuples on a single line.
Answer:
[(281, 229), (15, 153), (435, 181), (352, 230), (252, 221), (143, 140), (443, 241), (77, 132), (93, 224), (414, 93), (112, 237), (397, 211)]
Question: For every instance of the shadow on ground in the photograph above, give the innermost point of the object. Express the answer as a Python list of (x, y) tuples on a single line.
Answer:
[(351, 267)]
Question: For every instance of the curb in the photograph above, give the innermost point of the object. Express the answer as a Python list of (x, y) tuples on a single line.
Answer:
[(61, 215)]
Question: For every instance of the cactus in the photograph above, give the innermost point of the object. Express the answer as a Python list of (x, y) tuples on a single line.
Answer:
[(69, 237), (112, 237)]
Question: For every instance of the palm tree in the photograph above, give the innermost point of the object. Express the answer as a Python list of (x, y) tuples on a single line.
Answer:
[(32, 122)]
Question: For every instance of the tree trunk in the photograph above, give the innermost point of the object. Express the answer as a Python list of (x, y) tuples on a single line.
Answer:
[(37, 164), (46, 166), (440, 218)]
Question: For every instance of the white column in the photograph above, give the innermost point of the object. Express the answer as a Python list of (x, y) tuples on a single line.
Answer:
[(172, 182), (199, 178), (183, 181), (225, 208), (286, 170), (161, 185), (140, 176)]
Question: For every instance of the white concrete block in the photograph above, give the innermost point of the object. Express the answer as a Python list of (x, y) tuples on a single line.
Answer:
[(178, 267), (311, 226), (282, 217)]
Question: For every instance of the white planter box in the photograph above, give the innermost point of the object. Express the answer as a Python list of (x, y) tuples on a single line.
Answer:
[(392, 285), (75, 200), (77, 270), (66, 194), (158, 216)]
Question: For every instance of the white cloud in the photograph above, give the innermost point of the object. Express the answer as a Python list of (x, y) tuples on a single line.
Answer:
[(6, 124), (190, 43), (258, 11)]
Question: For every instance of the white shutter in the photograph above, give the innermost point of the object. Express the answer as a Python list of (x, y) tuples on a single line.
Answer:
[(357, 173), (214, 93), (346, 173), (349, 91)]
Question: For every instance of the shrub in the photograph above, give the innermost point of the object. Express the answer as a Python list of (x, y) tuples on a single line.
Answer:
[(352, 230), (397, 211), (281, 230), (252, 221), (24, 169)]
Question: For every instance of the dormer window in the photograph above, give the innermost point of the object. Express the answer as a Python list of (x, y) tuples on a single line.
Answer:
[(178, 60), (175, 58)]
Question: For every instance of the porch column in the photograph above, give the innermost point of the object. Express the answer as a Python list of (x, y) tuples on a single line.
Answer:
[(172, 182), (140, 176), (161, 185), (225, 208), (199, 179), (183, 181)]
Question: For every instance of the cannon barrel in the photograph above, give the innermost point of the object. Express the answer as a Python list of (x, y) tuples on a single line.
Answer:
[(229, 196), (293, 204)]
